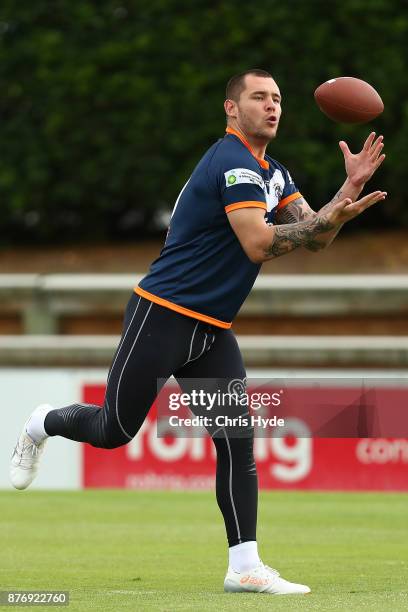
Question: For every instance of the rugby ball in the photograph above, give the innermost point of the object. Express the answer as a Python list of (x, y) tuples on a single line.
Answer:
[(348, 100)]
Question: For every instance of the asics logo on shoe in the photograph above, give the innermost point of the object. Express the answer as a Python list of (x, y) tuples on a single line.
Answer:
[(255, 581)]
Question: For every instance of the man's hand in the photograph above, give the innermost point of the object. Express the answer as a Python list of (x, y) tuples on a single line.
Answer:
[(345, 210), (360, 167)]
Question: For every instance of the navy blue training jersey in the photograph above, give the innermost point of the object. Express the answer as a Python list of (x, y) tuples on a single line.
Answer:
[(203, 271)]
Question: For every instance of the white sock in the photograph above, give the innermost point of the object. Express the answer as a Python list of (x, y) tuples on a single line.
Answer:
[(244, 557), (35, 425)]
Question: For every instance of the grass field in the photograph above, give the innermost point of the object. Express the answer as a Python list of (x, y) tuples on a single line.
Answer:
[(125, 550)]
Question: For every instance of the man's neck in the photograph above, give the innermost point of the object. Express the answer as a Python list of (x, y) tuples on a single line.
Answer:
[(257, 147)]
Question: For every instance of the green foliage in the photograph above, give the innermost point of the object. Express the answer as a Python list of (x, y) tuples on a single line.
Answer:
[(106, 106)]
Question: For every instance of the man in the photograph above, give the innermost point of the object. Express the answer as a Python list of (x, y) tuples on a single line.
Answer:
[(239, 208)]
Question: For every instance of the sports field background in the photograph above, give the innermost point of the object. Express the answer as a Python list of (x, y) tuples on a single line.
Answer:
[(106, 107), (123, 550)]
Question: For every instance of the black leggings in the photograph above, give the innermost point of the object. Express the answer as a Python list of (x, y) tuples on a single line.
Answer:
[(157, 343)]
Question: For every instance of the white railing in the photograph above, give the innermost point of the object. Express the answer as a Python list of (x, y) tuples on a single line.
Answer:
[(265, 351), (41, 299)]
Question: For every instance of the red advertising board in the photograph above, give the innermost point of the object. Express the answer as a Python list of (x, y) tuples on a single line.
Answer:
[(152, 462)]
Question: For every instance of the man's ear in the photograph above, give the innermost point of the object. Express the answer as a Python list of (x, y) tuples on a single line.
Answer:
[(230, 108)]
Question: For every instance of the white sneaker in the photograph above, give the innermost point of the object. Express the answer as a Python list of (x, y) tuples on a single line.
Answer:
[(26, 455), (261, 579)]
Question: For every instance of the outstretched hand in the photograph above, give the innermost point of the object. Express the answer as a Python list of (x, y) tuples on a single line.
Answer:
[(360, 167), (345, 210)]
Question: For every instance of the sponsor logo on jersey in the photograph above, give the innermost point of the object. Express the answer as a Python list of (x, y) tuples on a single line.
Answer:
[(238, 176)]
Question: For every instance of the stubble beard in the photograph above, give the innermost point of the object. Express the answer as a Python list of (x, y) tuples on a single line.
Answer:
[(266, 137), (258, 134)]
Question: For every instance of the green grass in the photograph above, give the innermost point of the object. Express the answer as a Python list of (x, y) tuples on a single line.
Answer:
[(125, 550)]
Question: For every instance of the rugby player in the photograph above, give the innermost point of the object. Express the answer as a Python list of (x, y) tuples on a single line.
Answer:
[(239, 208)]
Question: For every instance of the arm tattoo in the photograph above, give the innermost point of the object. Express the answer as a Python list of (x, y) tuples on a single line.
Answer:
[(289, 237), (305, 224), (333, 201), (296, 211), (299, 210)]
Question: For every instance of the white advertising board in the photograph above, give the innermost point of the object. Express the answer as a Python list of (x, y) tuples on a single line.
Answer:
[(22, 389)]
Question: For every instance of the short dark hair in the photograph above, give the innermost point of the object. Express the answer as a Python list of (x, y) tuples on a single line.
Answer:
[(236, 84)]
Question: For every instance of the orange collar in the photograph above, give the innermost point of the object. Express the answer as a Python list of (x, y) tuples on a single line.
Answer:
[(262, 162)]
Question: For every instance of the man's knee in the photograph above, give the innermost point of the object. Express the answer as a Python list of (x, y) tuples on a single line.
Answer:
[(110, 439)]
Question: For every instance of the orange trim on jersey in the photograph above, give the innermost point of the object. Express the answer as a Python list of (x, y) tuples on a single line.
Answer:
[(288, 199), (249, 204), (261, 161), (181, 309)]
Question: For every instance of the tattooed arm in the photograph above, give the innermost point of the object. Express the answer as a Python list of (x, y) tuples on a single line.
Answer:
[(262, 242), (309, 234), (299, 210), (299, 225)]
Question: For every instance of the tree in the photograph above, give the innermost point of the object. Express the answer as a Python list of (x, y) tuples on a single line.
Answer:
[(106, 107)]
